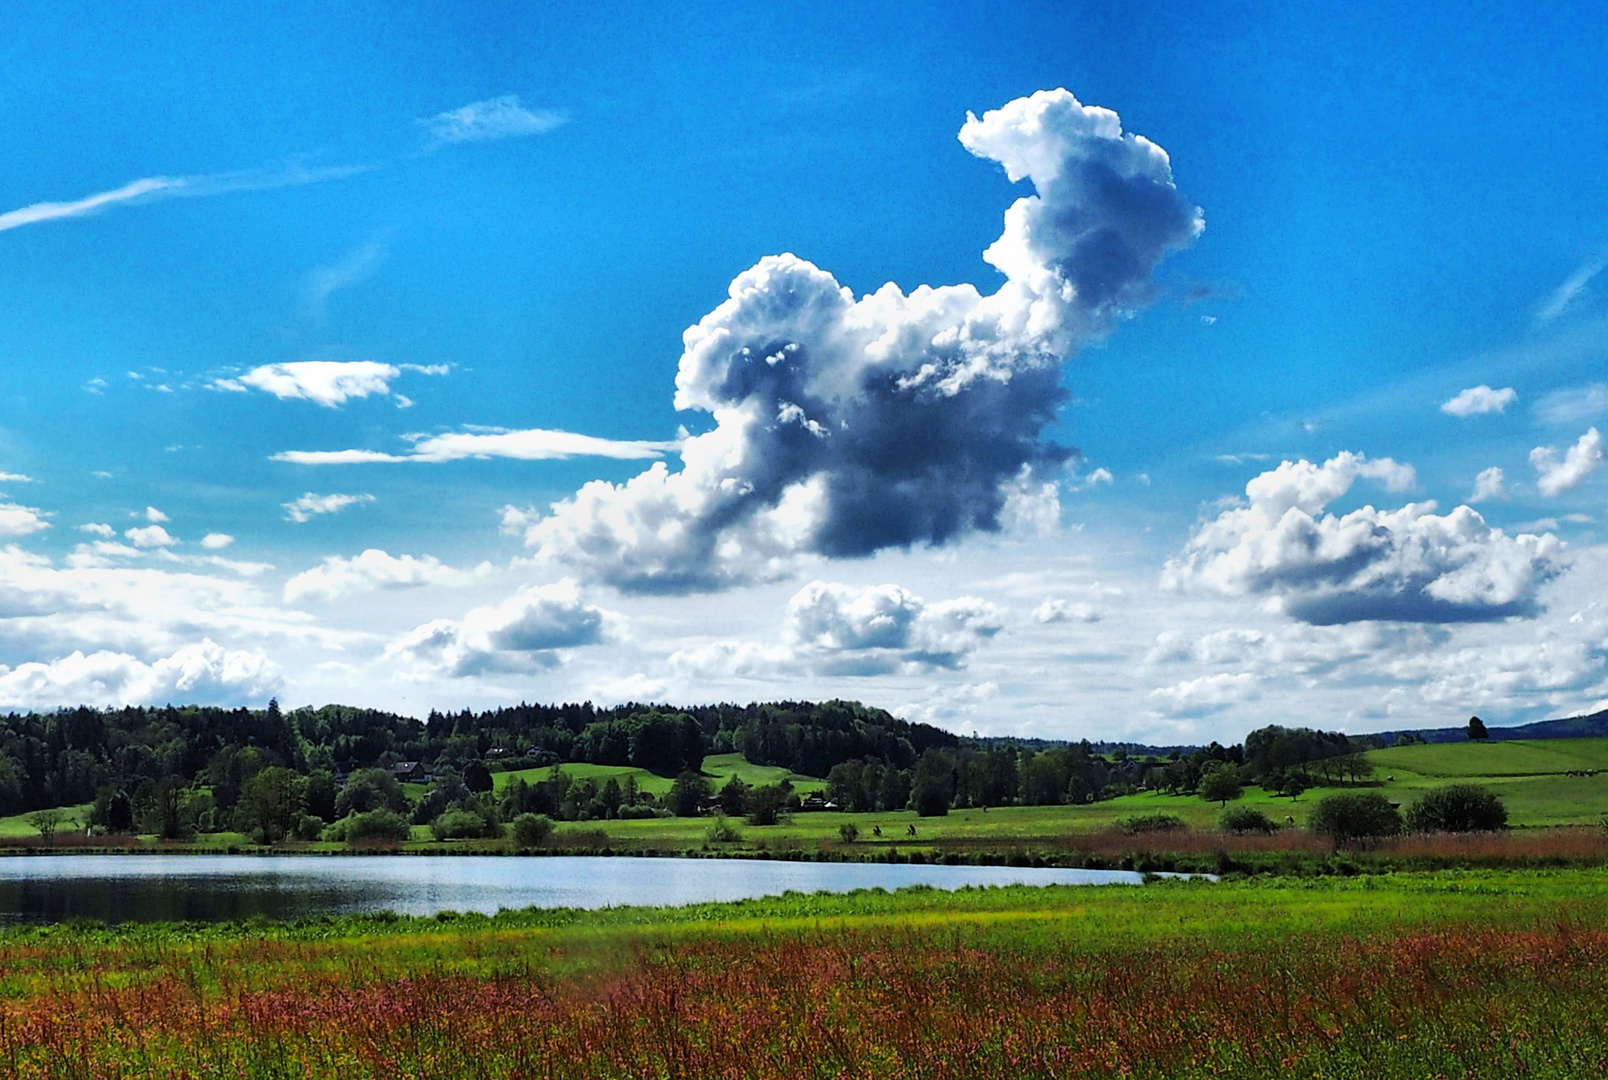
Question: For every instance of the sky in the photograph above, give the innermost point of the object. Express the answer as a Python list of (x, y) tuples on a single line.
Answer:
[(1141, 371)]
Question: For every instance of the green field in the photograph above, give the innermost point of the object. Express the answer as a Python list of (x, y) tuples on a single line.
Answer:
[(1530, 775), (718, 767), (1396, 977)]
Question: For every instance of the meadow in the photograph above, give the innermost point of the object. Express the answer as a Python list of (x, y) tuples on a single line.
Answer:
[(1471, 974)]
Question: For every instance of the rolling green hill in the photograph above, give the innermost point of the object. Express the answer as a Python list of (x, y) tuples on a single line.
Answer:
[(1531, 775), (718, 767)]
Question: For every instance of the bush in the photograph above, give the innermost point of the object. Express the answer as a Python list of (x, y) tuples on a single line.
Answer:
[(373, 825), (463, 825), (1457, 808), (532, 830), (1354, 816), (1152, 823), (1246, 819), (723, 831), (848, 833)]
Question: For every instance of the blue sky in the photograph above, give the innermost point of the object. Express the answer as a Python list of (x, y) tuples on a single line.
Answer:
[(454, 240)]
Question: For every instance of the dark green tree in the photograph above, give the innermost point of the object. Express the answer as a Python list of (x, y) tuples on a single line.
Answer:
[(1354, 816), (1221, 783), (476, 777), (766, 804), (270, 804), (1477, 729), (370, 789), (1457, 808), (689, 793)]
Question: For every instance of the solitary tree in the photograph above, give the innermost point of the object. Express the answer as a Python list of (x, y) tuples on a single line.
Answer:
[(48, 822), (1221, 784), (1476, 728)]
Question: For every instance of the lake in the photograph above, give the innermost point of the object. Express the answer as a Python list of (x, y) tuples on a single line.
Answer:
[(149, 888)]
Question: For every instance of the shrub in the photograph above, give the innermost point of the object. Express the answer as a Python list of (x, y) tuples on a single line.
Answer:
[(463, 825), (1246, 819), (1152, 823), (1457, 808), (372, 825), (723, 831), (532, 830), (308, 827), (848, 832), (1352, 816)]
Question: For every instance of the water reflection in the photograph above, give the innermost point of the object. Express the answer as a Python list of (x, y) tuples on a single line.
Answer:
[(208, 888)]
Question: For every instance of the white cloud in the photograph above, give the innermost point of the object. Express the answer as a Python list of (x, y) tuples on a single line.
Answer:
[(1555, 476), (1570, 289), (373, 569), (495, 118), (18, 520), (1207, 694), (1565, 408), (1409, 564), (524, 633), (304, 508), (216, 541), (95, 528), (1489, 484), (1478, 400), (151, 188), (155, 516), (150, 536), (327, 382), (1055, 610), (533, 444), (845, 426), (14, 478), (203, 672), (885, 627)]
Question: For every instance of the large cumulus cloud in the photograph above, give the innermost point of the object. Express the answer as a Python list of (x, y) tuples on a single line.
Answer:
[(1408, 565), (201, 671), (843, 425)]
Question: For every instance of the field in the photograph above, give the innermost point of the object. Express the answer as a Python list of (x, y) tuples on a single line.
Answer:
[(1487, 974), (718, 767)]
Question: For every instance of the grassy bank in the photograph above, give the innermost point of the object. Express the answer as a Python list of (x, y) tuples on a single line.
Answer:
[(1460, 974)]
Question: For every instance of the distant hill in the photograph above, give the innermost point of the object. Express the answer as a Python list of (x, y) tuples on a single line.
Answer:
[(1594, 726)]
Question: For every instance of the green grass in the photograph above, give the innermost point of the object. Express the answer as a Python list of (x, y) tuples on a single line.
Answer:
[(18, 825), (724, 767), (718, 767), (1529, 775)]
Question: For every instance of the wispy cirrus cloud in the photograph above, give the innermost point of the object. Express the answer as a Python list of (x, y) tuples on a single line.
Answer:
[(1570, 290), (152, 188), (355, 266), (530, 444), (503, 117)]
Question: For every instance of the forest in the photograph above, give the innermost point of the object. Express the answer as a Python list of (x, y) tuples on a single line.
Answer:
[(273, 773)]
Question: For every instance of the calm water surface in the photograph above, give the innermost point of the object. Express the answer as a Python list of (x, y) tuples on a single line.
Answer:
[(145, 888)]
